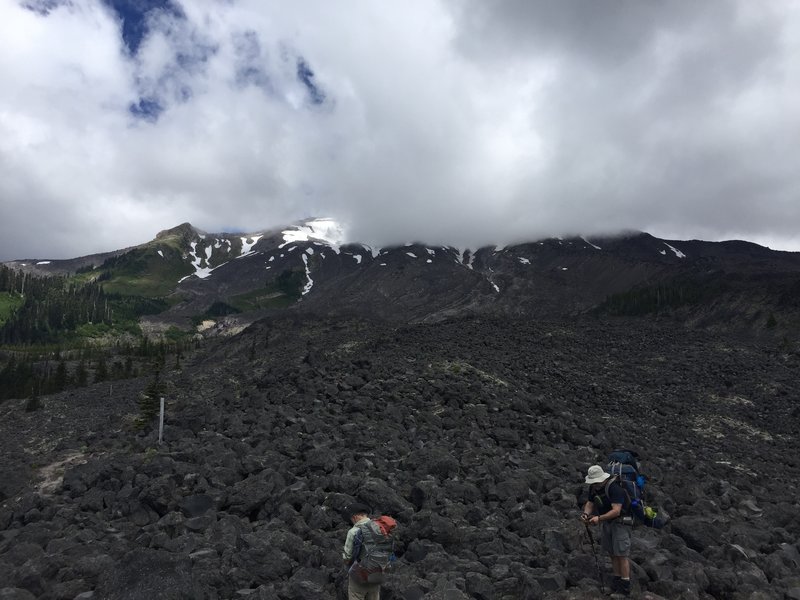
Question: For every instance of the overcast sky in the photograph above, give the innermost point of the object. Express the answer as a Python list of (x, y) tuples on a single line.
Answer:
[(459, 122)]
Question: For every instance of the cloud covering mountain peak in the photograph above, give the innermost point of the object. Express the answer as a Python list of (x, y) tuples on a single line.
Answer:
[(497, 123)]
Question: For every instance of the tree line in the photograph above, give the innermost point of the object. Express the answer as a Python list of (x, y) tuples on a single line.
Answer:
[(50, 306), (55, 311), (54, 306), (656, 298), (25, 375)]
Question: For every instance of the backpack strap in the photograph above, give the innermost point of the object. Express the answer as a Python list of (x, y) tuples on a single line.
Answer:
[(358, 544), (626, 505), (607, 486)]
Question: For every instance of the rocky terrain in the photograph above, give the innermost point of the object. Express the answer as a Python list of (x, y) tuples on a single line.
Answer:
[(474, 432)]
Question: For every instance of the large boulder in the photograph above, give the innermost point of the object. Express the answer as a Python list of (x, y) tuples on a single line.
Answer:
[(249, 495)]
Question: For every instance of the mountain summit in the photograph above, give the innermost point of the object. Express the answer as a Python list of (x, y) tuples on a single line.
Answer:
[(183, 231)]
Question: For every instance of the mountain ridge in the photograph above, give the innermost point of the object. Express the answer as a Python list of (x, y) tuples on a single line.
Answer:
[(310, 267), (188, 231)]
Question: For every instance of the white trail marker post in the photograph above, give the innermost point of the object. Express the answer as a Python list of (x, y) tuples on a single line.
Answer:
[(161, 422)]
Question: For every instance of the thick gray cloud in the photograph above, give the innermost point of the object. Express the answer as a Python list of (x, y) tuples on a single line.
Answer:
[(667, 116), (460, 121)]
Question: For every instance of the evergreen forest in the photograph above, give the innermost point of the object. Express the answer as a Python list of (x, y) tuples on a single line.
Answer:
[(49, 332)]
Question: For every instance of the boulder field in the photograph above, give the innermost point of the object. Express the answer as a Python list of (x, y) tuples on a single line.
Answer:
[(473, 433)]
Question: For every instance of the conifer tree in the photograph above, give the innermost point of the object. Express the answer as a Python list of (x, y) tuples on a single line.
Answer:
[(101, 371), (59, 381), (149, 399), (81, 375), (33, 404)]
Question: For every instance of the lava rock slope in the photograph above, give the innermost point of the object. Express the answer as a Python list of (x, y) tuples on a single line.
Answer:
[(473, 433)]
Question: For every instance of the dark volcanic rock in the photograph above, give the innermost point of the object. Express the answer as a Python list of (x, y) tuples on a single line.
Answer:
[(148, 574), (473, 433), (8, 593)]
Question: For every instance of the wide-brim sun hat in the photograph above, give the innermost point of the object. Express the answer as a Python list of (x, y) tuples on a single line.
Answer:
[(596, 474), (354, 509)]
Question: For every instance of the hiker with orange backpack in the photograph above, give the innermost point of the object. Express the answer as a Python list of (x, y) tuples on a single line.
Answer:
[(368, 552), (608, 506)]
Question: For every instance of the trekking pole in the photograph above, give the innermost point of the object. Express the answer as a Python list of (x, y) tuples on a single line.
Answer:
[(596, 560)]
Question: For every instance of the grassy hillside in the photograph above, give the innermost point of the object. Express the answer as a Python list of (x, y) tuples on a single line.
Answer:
[(144, 272), (9, 302), (284, 291)]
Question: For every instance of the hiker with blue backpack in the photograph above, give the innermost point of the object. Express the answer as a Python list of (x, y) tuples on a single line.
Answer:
[(605, 507), (616, 501), (368, 551)]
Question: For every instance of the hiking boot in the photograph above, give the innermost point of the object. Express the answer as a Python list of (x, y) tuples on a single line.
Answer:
[(615, 582)]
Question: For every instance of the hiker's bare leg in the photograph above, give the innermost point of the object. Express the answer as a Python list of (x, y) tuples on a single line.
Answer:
[(621, 566), (615, 565)]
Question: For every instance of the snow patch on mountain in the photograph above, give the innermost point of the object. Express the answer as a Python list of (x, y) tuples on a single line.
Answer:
[(247, 247), (199, 271), (677, 252), (411, 254), (43, 262), (310, 283), (161, 253), (327, 231), (591, 244), (357, 258), (523, 260)]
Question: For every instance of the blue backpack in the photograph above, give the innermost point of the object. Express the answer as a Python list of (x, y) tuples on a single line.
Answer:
[(623, 465)]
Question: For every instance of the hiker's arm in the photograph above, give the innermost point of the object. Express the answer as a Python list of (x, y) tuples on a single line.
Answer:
[(347, 552), (616, 510), (588, 510)]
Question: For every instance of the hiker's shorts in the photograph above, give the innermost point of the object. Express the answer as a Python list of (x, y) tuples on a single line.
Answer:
[(363, 591), (616, 538)]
